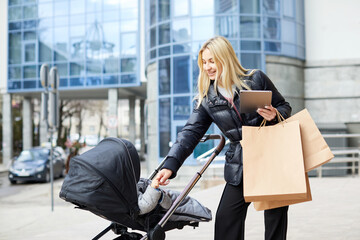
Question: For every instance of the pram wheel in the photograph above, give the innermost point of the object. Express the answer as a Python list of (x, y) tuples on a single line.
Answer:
[(157, 233), (129, 236)]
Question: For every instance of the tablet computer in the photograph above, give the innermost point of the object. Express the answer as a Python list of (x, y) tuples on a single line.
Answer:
[(251, 100)]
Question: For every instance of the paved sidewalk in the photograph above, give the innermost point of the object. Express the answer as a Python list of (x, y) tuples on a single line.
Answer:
[(334, 213)]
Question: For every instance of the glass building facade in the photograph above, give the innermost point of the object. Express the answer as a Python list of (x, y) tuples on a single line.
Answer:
[(93, 43), (176, 29)]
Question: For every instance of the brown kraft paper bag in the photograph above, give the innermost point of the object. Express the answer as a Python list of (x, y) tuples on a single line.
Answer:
[(273, 163), (264, 205), (315, 150)]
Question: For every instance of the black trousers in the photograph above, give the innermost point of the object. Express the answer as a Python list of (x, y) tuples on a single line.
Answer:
[(231, 214)]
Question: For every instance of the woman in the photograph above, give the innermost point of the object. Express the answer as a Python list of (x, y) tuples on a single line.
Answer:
[(221, 76)]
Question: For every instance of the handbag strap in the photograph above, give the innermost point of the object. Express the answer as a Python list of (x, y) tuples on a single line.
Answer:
[(279, 117)]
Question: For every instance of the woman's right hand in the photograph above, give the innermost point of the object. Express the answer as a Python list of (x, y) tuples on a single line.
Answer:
[(163, 176)]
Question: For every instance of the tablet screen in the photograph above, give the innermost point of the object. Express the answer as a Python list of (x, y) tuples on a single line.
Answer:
[(251, 100)]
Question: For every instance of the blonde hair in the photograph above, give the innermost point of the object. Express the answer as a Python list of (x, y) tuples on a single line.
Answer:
[(225, 60)]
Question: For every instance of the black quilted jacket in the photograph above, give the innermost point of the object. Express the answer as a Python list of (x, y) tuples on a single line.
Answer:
[(215, 108)]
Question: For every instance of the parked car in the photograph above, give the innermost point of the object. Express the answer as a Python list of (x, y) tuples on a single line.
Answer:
[(34, 165)]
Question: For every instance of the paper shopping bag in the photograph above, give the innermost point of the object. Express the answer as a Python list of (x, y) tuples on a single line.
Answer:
[(315, 150), (264, 205), (273, 164)]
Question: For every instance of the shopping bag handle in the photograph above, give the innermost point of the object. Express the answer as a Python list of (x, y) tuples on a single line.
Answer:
[(280, 118)]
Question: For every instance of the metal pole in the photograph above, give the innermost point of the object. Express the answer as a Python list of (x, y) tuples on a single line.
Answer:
[(51, 170)]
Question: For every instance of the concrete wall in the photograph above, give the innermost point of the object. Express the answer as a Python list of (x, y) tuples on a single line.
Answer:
[(288, 76), (332, 70), (152, 117)]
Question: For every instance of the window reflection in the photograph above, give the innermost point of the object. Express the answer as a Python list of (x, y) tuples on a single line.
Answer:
[(164, 125), (164, 76), (226, 26), (181, 74), (226, 6), (128, 79), (164, 10), (128, 65), (30, 11), (14, 72), (29, 71), (129, 25), (288, 31), (61, 8), (128, 44), (181, 108), (181, 30), (15, 13), (251, 60), (61, 42), (271, 7), (271, 28), (30, 55), (109, 80), (77, 7), (45, 10), (164, 33), (202, 7), (250, 27), (180, 7), (77, 69), (110, 5), (199, 31), (249, 6), (14, 48)]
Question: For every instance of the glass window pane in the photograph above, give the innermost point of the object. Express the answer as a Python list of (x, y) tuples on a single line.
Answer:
[(250, 45), (195, 74), (113, 16), (14, 85), (181, 30), (128, 13), (61, 21), (300, 34), (29, 24), (153, 54), (111, 41), (226, 6), (128, 65), (180, 7), (289, 10), (129, 25), (249, 6), (289, 49), (30, 11), (251, 60), (300, 10), (61, 8), (77, 43), (227, 27), (77, 7), (288, 31), (63, 82), (152, 12), (250, 27), (14, 48), (61, 43), (14, 2), (271, 7), (128, 79), (76, 82), (181, 74), (45, 43), (62, 69), (77, 19), (31, 35), (164, 76), (30, 53), (93, 66), (202, 7), (14, 72), (110, 5), (128, 44), (271, 28), (199, 31), (45, 23), (93, 81), (29, 84), (181, 48), (93, 19), (164, 125), (164, 10), (45, 10), (164, 51), (181, 108), (111, 64), (272, 46), (153, 37), (15, 26), (164, 33), (93, 5), (15, 13), (109, 80), (77, 69), (29, 72)]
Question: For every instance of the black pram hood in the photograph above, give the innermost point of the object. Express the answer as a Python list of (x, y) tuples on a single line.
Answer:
[(104, 179)]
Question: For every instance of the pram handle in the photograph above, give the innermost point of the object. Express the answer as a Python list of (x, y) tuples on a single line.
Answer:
[(158, 233)]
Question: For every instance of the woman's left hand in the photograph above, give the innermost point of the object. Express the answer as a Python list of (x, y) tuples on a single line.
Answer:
[(268, 113)]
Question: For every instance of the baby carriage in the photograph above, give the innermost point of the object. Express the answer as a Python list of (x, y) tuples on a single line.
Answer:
[(105, 181)]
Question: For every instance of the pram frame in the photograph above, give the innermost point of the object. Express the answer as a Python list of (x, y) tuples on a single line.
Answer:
[(157, 233)]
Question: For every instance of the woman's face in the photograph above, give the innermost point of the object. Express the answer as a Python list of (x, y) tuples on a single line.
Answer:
[(209, 64)]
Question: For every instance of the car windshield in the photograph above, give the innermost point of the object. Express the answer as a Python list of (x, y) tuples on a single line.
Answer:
[(33, 154)]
